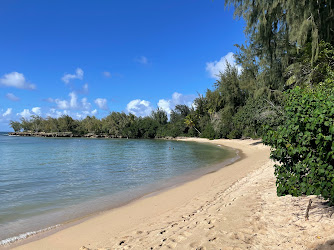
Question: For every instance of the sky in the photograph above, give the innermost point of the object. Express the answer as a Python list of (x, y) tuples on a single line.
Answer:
[(93, 57)]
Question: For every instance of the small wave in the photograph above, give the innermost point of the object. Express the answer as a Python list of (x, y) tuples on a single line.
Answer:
[(25, 235)]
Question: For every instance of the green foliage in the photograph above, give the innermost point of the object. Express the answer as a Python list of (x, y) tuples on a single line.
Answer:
[(303, 72), (16, 126), (66, 123), (226, 124), (50, 125), (229, 88), (179, 113), (160, 116), (115, 123), (147, 127), (191, 120), (26, 124), (256, 113), (275, 26), (208, 132), (303, 144)]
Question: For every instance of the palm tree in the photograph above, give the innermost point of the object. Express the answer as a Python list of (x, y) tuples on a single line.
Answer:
[(190, 122)]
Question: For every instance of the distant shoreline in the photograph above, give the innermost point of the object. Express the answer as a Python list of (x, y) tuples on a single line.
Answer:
[(71, 135), (61, 134)]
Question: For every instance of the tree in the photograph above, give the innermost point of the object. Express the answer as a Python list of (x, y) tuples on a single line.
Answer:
[(182, 110), (50, 124), (36, 123), (147, 127), (277, 25), (160, 116), (228, 85), (91, 125), (302, 72), (66, 123), (190, 122), (16, 126), (26, 124)]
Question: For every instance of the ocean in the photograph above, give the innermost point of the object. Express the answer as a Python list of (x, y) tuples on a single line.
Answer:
[(45, 182)]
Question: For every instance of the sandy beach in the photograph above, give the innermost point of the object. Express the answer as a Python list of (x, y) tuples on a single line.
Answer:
[(235, 207)]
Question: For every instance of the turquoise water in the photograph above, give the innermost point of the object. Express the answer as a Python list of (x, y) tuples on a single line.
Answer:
[(46, 181)]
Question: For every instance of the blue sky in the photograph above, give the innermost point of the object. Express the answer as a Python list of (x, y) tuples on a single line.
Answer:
[(93, 57)]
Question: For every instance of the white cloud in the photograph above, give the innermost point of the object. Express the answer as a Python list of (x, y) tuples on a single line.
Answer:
[(78, 75), (214, 68), (7, 112), (12, 97), (107, 74), (85, 105), (65, 104), (139, 107), (16, 80), (73, 100), (36, 110), (25, 113), (94, 112), (84, 114), (143, 108), (165, 105), (101, 103), (72, 103), (54, 113), (142, 60), (62, 104), (177, 98)]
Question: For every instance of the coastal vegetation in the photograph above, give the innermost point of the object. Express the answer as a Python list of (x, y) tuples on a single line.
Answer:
[(291, 42), (281, 90)]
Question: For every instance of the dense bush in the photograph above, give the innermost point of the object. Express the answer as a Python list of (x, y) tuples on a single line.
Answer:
[(208, 132), (303, 145), (250, 119)]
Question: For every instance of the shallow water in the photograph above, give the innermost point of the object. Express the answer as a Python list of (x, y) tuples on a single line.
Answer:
[(46, 181)]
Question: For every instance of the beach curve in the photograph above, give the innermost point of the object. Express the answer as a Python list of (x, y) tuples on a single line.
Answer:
[(235, 207)]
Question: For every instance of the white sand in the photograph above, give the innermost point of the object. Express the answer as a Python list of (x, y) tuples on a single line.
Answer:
[(233, 208)]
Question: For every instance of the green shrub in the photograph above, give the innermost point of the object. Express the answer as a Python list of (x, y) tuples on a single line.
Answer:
[(303, 145), (208, 132), (235, 134)]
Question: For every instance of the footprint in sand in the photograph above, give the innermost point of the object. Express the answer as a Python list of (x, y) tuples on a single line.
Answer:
[(84, 248), (173, 225), (212, 239)]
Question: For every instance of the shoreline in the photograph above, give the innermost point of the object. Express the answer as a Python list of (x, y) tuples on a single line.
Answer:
[(147, 191), (37, 238), (234, 207)]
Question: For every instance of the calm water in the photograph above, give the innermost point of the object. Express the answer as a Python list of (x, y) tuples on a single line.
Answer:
[(46, 181)]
